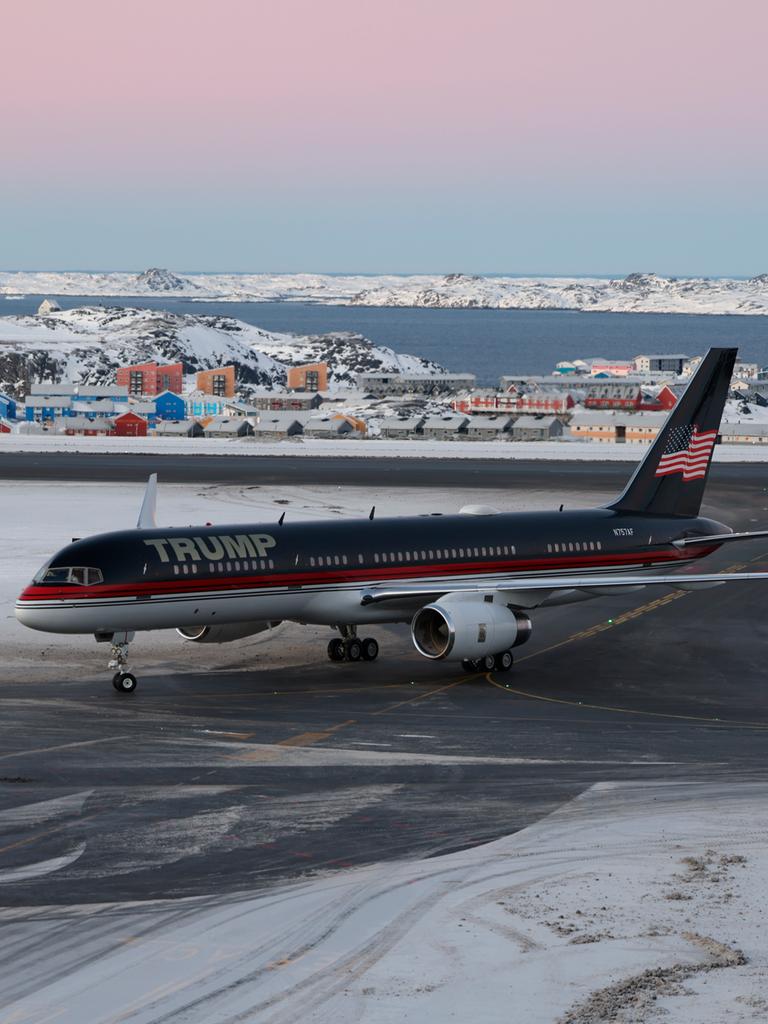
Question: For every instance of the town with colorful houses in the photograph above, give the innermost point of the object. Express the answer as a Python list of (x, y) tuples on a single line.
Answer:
[(598, 400)]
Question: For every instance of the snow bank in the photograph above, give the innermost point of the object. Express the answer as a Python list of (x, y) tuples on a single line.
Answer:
[(633, 901), (558, 451)]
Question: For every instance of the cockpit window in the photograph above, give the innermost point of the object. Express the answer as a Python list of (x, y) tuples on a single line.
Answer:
[(80, 575), (55, 576)]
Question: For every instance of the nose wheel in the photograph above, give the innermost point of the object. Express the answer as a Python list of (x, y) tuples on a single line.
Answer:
[(124, 682)]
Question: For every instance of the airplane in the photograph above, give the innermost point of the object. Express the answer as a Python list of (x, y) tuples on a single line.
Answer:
[(467, 583)]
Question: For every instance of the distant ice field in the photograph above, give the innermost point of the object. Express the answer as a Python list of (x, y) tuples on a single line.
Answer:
[(486, 342)]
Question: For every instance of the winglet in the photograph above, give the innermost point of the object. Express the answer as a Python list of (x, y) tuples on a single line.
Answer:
[(147, 518)]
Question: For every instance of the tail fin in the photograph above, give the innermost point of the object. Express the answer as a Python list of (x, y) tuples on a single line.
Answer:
[(671, 478)]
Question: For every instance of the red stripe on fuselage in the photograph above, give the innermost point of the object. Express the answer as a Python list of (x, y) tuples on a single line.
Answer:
[(348, 574)]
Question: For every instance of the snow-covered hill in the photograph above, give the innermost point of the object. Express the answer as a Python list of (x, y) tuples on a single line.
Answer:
[(636, 293), (88, 343)]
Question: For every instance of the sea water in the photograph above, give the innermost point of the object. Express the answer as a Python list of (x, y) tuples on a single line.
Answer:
[(486, 342)]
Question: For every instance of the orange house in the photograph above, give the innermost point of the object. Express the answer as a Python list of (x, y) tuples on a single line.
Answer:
[(151, 379), (309, 377), (219, 381)]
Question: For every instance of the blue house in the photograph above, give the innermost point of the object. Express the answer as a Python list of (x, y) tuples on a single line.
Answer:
[(170, 406), (7, 407), (199, 404), (44, 408)]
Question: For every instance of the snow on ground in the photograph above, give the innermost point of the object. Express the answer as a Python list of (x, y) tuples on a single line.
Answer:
[(586, 451), (635, 293), (636, 902)]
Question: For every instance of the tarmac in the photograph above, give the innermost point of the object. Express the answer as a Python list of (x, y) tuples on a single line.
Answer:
[(238, 773)]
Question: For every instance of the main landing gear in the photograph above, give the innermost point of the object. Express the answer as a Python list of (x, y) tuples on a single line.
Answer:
[(348, 646), (501, 662), (123, 680)]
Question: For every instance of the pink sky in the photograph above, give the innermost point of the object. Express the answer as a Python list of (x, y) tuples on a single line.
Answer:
[(463, 127), (276, 91)]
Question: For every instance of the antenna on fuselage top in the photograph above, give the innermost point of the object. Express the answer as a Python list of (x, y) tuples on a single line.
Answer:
[(373, 509), (280, 520), (147, 513)]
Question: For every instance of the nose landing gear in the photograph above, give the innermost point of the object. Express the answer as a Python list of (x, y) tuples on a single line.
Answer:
[(123, 680)]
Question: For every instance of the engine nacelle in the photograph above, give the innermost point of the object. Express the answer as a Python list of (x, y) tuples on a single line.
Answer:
[(223, 634), (468, 626)]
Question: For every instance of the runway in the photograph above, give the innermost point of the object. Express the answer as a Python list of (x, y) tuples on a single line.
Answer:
[(237, 767)]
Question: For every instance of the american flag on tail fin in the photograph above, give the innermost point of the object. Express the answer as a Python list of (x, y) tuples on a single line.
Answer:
[(687, 451)]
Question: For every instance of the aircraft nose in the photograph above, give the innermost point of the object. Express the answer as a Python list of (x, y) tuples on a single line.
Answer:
[(27, 612)]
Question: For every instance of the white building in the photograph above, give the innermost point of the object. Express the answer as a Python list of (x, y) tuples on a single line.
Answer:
[(48, 306), (744, 433), (674, 363)]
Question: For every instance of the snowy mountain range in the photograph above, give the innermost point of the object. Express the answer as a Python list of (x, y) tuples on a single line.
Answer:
[(636, 293), (87, 344)]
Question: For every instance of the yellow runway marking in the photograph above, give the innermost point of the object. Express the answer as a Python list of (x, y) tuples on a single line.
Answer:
[(622, 711), (601, 627), (633, 613), (618, 621), (306, 739), (269, 752), (319, 691), (48, 832), (63, 746), (424, 696)]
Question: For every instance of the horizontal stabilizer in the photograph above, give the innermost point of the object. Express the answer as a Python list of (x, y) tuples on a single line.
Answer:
[(718, 538), (550, 583)]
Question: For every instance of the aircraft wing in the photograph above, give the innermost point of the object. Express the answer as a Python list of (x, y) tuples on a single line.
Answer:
[(546, 585)]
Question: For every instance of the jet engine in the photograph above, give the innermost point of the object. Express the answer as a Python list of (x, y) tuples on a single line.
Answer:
[(468, 626), (223, 634)]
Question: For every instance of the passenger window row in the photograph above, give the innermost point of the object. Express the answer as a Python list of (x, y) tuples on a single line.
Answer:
[(578, 545), (243, 565), (421, 556), (329, 560), (441, 554)]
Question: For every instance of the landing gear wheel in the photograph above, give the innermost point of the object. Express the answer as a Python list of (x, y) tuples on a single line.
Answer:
[(487, 663), (354, 650), (504, 661), (336, 649), (370, 649), (124, 682)]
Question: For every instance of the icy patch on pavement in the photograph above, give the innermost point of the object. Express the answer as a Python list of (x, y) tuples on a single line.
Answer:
[(41, 867), (44, 810)]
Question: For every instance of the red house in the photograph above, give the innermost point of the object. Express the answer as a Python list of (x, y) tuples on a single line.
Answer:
[(130, 425), (151, 379)]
